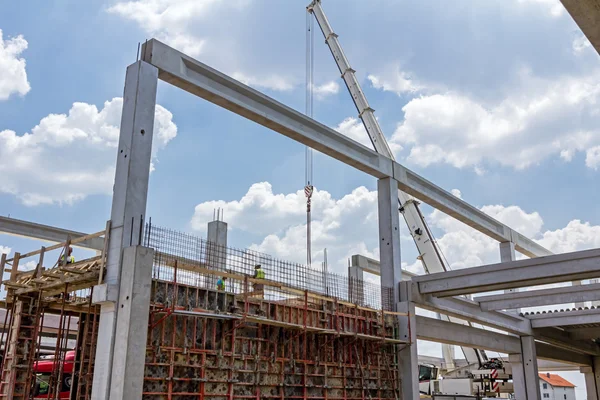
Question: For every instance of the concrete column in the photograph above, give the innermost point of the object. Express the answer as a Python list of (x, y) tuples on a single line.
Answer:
[(530, 368), (592, 379), (507, 254), (389, 236), (518, 376), (134, 305), (216, 250), (408, 356), (398, 292), (127, 216)]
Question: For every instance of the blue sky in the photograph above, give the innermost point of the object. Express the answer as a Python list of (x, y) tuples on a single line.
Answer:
[(498, 99)]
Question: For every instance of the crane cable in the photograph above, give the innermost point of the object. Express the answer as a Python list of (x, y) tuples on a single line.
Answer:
[(308, 172)]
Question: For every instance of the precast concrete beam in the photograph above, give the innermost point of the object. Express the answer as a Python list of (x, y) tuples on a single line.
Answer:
[(469, 310), (542, 297), (439, 331), (32, 230), (565, 318), (586, 14), (199, 79), (584, 333), (515, 274), (373, 267), (566, 340)]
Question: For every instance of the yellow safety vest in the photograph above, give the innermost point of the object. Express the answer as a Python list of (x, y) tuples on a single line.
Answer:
[(260, 274), (70, 260)]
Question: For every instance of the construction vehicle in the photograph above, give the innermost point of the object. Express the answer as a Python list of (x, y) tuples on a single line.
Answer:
[(44, 369), (429, 254)]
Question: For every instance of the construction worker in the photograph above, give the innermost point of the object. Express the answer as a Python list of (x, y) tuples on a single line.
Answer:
[(259, 273), (221, 283), (70, 258)]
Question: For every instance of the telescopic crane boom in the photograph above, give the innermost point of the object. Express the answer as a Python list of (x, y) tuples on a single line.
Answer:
[(408, 206)]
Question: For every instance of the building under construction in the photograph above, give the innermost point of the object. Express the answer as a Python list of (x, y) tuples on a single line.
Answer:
[(283, 337), (159, 314)]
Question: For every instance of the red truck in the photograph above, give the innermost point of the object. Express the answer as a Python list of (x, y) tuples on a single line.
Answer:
[(43, 370)]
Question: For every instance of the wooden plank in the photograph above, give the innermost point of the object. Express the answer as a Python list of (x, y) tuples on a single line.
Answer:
[(72, 270), (80, 281), (59, 245)]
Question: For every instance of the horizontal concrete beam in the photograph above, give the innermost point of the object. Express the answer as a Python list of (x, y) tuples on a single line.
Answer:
[(439, 331), (543, 297), (32, 230), (586, 14), (566, 340), (585, 333), (199, 79), (469, 310), (373, 267), (515, 274), (565, 318)]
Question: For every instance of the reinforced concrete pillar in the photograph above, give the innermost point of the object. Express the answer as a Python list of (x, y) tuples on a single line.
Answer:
[(530, 368), (132, 325), (408, 356), (592, 379), (507, 254), (216, 251), (395, 293), (130, 193), (518, 376)]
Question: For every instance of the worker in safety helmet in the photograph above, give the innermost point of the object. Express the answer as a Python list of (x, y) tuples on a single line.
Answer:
[(259, 273), (221, 283), (70, 258)]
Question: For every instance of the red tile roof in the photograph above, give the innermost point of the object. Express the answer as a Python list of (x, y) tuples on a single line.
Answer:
[(556, 380)]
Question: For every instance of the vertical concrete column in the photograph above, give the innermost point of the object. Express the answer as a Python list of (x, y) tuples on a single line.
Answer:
[(408, 356), (395, 291), (507, 254), (592, 379), (518, 376), (130, 193), (530, 368), (216, 252), (389, 236), (132, 325)]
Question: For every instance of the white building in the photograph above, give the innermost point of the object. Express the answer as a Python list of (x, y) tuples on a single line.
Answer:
[(555, 387)]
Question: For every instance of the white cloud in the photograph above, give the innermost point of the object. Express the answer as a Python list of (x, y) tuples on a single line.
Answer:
[(344, 226), (168, 20), (553, 7), (67, 157), (348, 226), (274, 82), (205, 28), (545, 119), (5, 250), (592, 157), (355, 130), (395, 80), (575, 236), (580, 43), (326, 89), (13, 79)]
